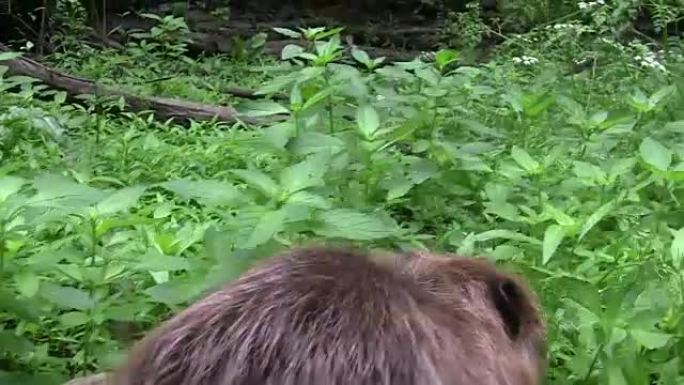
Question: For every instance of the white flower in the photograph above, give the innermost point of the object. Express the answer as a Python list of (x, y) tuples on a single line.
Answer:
[(525, 60)]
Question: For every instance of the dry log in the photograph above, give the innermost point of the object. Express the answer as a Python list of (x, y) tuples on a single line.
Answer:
[(163, 108)]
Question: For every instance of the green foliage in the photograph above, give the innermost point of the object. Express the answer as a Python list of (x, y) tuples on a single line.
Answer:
[(575, 179)]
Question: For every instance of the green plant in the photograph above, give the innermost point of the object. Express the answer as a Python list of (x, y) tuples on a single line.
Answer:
[(573, 176)]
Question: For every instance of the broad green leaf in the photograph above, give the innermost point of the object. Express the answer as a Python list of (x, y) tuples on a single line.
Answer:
[(22, 378), (10, 185), (559, 216), (505, 234), (288, 32), (291, 51), (445, 57), (209, 192), (314, 142), (655, 154), (592, 173), (71, 270), (174, 292), (259, 180), (278, 84), (74, 319), (261, 108), (121, 200), (360, 55), (60, 191), (661, 94), (317, 98), (503, 209), (309, 199), (524, 160), (350, 224), (616, 375), (553, 236), (153, 260), (650, 339), (269, 225), (14, 344), (429, 74), (368, 120), (66, 297), (596, 217), (28, 283), (5, 56), (397, 187), (23, 309), (535, 105), (676, 126), (305, 174), (677, 248)]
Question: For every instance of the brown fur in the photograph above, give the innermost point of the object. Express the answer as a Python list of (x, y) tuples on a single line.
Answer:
[(336, 317)]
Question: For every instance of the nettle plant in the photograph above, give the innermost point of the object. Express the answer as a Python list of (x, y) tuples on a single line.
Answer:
[(578, 187)]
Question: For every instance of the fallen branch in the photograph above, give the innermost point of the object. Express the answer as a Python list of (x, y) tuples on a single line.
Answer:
[(163, 108)]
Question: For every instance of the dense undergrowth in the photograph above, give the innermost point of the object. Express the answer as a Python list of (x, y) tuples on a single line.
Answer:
[(563, 157)]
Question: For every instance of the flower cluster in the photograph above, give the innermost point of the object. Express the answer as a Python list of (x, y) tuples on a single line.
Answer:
[(649, 60), (590, 4), (525, 60), (561, 26)]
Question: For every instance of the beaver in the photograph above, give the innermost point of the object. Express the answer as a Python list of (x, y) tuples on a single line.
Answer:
[(336, 316)]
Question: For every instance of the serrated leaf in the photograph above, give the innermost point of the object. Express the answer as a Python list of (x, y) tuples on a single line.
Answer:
[(22, 309), (505, 234), (397, 187), (559, 216), (288, 32), (73, 319), (259, 180), (173, 292), (360, 55), (5, 56), (429, 74), (524, 160), (261, 108), (655, 154), (350, 224), (209, 192), (596, 217), (553, 236), (616, 375), (71, 270), (676, 126), (291, 51), (268, 226), (314, 142), (10, 185), (120, 200), (445, 57), (14, 344), (66, 297), (153, 260), (308, 199), (28, 283), (305, 174), (60, 191), (590, 172), (650, 339), (367, 120)]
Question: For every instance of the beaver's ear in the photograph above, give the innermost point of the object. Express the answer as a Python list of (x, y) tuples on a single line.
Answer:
[(510, 301)]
